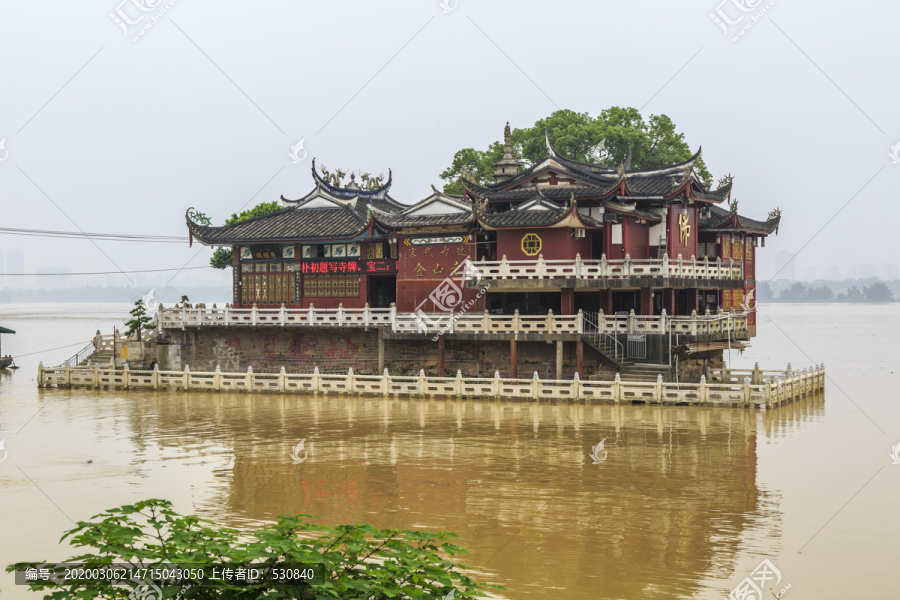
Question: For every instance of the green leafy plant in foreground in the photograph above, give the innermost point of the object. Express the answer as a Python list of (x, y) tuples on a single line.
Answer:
[(349, 561)]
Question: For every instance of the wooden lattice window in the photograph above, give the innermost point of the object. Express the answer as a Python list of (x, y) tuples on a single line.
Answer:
[(531, 244)]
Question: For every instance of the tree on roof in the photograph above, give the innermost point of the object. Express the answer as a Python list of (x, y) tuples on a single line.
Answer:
[(603, 140), (221, 257)]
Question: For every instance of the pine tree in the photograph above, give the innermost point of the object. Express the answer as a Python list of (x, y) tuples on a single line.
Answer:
[(140, 321)]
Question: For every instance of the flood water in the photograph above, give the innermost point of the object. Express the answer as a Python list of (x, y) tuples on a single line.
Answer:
[(686, 504)]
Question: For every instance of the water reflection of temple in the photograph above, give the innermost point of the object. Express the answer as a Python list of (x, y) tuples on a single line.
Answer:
[(665, 510)]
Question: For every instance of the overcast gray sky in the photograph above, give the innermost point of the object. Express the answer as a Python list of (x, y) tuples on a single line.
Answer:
[(107, 134)]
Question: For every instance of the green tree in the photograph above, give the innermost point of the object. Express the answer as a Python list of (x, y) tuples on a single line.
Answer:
[(878, 292), (605, 140), (221, 257), (349, 561), (140, 321)]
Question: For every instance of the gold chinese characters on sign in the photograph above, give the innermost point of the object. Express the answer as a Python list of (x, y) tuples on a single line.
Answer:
[(684, 227)]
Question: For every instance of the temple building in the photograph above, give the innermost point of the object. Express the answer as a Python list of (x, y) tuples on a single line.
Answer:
[(641, 252)]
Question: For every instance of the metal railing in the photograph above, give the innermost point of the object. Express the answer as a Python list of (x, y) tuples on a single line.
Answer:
[(79, 357)]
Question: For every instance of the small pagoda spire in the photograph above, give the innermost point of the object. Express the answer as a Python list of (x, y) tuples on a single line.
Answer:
[(507, 167)]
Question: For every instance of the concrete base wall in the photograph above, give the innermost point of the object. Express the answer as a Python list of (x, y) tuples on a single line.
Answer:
[(336, 350)]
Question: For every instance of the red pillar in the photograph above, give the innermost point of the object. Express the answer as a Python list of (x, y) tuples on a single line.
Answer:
[(626, 249), (440, 367), (646, 301), (606, 301), (579, 358), (567, 301), (669, 301), (236, 276), (513, 371)]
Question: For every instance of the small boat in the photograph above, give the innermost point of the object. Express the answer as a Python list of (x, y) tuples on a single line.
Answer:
[(5, 361)]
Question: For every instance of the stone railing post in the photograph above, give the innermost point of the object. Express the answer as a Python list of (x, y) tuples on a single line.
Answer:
[(626, 266), (282, 317), (248, 382), (630, 326), (458, 383), (659, 388), (504, 268), (186, 377), (316, 381), (40, 380), (747, 391), (254, 315), (719, 267), (183, 319), (535, 386), (662, 322), (351, 378), (580, 323), (495, 385), (539, 271), (125, 375), (421, 382), (576, 386), (601, 321), (450, 327), (694, 322), (486, 321), (154, 376), (282, 380), (604, 266), (577, 273), (226, 312), (366, 315), (549, 322), (217, 379), (516, 321), (702, 391), (393, 317), (680, 265), (617, 388), (340, 314), (385, 382)]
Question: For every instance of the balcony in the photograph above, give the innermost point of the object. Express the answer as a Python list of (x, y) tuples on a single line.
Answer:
[(462, 325), (603, 273)]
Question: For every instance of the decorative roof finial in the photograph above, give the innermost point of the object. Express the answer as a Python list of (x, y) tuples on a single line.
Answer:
[(733, 206), (551, 153)]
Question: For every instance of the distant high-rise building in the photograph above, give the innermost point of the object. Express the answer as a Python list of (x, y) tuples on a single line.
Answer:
[(785, 265), (832, 273)]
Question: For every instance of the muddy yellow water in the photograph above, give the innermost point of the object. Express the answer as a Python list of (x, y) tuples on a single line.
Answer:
[(680, 502)]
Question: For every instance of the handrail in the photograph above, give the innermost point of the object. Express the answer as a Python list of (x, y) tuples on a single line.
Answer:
[(592, 330), (793, 385), (77, 358), (603, 268)]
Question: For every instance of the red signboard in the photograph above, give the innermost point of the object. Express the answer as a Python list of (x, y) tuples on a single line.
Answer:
[(348, 266)]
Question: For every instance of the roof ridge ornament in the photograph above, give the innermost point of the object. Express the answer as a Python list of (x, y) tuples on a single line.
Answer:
[(732, 206), (775, 213), (725, 180), (551, 153)]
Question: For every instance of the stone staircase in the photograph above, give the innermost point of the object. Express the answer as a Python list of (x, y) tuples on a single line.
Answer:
[(645, 372), (629, 370)]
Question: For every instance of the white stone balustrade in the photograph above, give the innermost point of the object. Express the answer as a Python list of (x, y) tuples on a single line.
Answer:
[(665, 268), (789, 386), (449, 322)]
